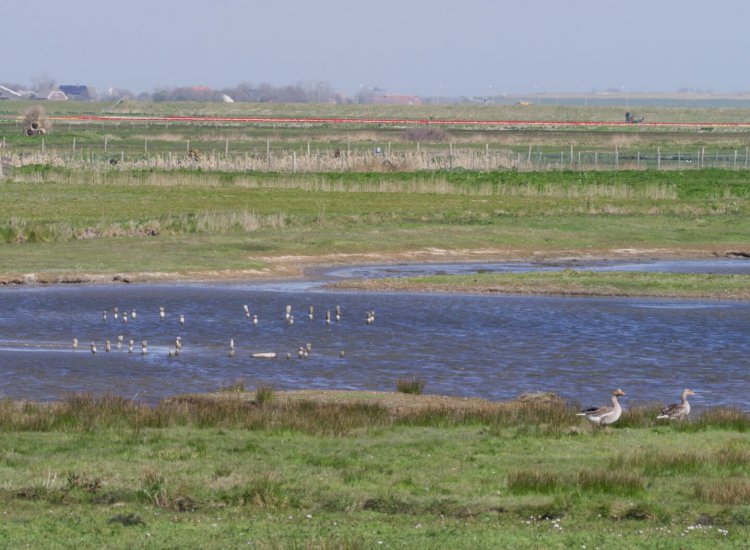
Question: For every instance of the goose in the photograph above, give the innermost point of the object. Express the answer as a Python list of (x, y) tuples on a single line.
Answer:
[(115, 313), (231, 347), (162, 314), (680, 410), (182, 320), (604, 415), (107, 346), (144, 347), (119, 341), (255, 320), (338, 313), (75, 343), (310, 313), (133, 314), (130, 346), (93, 347), (104, 315), (328, 317)]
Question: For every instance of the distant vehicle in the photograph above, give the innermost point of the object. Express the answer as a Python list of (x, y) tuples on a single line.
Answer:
[(630, 118)]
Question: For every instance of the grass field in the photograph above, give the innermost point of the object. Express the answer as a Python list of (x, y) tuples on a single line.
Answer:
[(64, 221), (323, 474)]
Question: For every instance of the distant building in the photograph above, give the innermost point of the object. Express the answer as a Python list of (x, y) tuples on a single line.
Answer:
[(397, 99), (79, 93), (57, 95)]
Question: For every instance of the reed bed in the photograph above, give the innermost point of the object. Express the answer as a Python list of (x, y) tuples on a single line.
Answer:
[(417, 183), (262, 410)]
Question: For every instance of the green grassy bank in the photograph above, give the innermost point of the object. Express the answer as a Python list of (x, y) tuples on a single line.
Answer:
[(573, 283), (276, 474)]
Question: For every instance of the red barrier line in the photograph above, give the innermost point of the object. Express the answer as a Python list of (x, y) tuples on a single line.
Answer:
[(391, 121)]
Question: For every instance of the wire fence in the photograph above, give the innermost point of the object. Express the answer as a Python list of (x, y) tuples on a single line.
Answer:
[(369, 159)]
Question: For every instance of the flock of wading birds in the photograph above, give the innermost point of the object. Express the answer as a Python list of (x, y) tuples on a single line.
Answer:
[(302, 352), (599, 415)]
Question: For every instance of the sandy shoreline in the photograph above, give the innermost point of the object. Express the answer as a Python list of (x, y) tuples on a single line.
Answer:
[(295, 267)]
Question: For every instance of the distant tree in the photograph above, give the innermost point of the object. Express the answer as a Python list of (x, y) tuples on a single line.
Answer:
[(186, 93), (43, 84), (115, 94)]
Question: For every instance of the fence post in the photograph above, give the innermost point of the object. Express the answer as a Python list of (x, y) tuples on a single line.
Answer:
[(735, 159), (658, 158), (617, 158)]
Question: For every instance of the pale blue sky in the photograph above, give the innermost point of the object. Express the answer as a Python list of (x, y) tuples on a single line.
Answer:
[(445, 47)]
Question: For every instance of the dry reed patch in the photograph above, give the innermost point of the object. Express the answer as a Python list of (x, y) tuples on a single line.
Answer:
[(731, 491)]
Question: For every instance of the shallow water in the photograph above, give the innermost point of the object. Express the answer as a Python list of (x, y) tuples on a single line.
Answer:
[(486, 346)]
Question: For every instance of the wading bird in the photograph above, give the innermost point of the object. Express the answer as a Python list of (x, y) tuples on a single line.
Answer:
[(677, 411), (605, 415)]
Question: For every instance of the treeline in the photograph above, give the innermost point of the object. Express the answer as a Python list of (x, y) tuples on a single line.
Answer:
[(313, 92)]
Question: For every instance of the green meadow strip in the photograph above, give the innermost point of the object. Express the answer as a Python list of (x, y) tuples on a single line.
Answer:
[(575, 283)]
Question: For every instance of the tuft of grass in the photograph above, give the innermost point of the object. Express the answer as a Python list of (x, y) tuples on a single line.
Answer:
[(263, 491), (154, 489), (590, 481), (533, 481), (264, 394), (611, 482), (731, 491), (236, 386), (666, 463), (413, 385), (723, 418)]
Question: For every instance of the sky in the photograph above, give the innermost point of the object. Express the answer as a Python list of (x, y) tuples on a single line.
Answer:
[(445, 48)]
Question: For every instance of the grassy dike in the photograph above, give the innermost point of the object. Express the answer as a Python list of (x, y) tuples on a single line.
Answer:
[(272, 472)]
